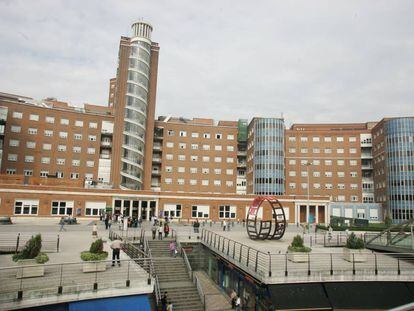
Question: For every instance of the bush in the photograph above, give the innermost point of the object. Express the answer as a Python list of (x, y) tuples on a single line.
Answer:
[(297, 245), (95, 252), (31, 249), (42, 258), (353, 242), (96, 247)]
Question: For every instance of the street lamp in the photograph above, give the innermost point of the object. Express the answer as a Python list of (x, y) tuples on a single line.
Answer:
[(307, 173)]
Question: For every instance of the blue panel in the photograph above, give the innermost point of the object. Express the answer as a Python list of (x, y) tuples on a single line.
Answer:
[(139, 302)]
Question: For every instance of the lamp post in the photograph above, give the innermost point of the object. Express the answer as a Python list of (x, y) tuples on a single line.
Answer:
[(308, 188)]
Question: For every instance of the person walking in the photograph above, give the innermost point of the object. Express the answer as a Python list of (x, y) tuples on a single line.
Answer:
[(116, 249), (160, 230), (106, 222), (169, 306), (164, 302), (224, 225), (173, 249), (94, 230), (166, 229), (238, 303), (62, 224), (109, 222), (233, 297), (154, 230)]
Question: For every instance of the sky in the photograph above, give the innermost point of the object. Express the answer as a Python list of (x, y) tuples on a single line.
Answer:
[(310, 61)]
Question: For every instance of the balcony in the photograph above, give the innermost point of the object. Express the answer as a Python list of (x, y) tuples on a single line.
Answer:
[(367, 166), (241, 163), (156, 160), (157, 148), (156, 173), (105, 156), (366, 155), (107, 144), (241, 153)]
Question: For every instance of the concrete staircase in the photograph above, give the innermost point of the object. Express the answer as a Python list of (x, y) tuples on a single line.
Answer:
[(174, 278)]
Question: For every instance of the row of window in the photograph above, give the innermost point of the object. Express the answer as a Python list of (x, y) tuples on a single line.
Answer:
[(58, 208), (200, 211), (328, 186), (316, 139), (196, 146), (44, 174), (32, 144), (46, 160), (61, 148), (50, 133), (318, 174), (318, 162), (326, 150), (194, 182), (194, 170), (194, 158), (48, 119), (197, 135)]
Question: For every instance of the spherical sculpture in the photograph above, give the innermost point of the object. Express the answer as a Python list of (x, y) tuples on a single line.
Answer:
[(272, 229)]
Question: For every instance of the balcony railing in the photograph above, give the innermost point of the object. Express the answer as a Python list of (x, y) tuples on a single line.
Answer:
[(106, 143), (156, 160), (105, 156)]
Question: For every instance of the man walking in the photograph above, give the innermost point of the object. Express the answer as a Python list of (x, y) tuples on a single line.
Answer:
[(160, 230), (116, 249), (106, 221), (62, 224)]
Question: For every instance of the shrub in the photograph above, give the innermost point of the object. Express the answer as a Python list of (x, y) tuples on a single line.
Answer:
[(42, 258), (96, 247), (353, 242), (31, 249), (95, 252), (297, 245)]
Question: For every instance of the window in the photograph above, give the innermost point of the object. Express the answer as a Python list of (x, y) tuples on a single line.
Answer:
[(217, 171), (170, 144), (169, 156), (230, 148), (50, 120), (34, 117), (60, 161), (316, 174), (17, 115), (11, 171), (15, 129), (193, 182), (316, 162), (206, 147), (229, 172), (328, 186), (181, 169), (44, 174), (206, 159), (64, 121), (341, 198), (230, 137), (28, 172), (89, 176), (90, 163), (340, 150), (353, 162), (204, 182), (227, 211), (62, 208), (205, 170), (171, 133), (219, 136), (354, 198), (14, 143), (328, 150), (206, 135), (353, 150), (30, 144), (200, 211), (328, 174), (292, 173), (354, 186), (78, 136), (77, 149), (26, 207), (339, 139), (194, 158), (45, 160), (340, 162), (59, 174), (217, 159), (304, 150), (79, 123), (182, 145), (193, 170), (316, 186), (168, 169), (304, 174), (12, 157), (292, 185), (194, 146), (180, 181), (328, 162), (168, 181), (341, 186), (183, 134), (172, 210), (352, 139), (315, 139), (194, 135), (327, 139), (341, 174), (217, 147), (292, 150), (48, 133), (354, 174), (63, 134), (217, 182), (303, 139), (93, 125), (92, 137), (74, 175), (62, 148), (292, 162), (29, 159), (75, 162), (229, 160), (47, 146), (181, 157), (304, 185), (292, 138), (91, 150), (316, 150), (32, 131)]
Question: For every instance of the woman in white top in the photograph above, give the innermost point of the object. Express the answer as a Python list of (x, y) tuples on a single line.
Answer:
[(160, 231)]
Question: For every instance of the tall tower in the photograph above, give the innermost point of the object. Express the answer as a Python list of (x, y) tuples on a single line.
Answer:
[(134, 104)]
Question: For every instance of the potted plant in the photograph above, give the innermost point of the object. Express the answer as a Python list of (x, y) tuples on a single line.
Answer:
[(354, 249), (297, 252), (31, 257), (94, 257)]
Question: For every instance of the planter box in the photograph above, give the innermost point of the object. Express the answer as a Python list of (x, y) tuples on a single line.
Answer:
[(298, 256), (29, 272), (94, 266), (359, 255)]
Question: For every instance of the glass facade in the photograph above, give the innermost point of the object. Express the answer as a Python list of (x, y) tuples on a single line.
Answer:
[(400, 167), (268, 159), (135, 116)]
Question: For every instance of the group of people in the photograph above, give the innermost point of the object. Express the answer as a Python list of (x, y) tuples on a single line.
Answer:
[(165, 303), (160, 228), (123, 222), (235, 301)]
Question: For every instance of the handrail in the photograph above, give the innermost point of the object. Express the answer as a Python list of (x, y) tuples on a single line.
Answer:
[(187, 263), (200, 290), (147, 250)]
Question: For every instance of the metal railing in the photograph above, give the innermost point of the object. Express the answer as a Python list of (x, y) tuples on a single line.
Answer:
[(186, 261), (130, 235), (45, 280), (13, 243), (328, 239), (264, 265), (200, 291), (147, 251)]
